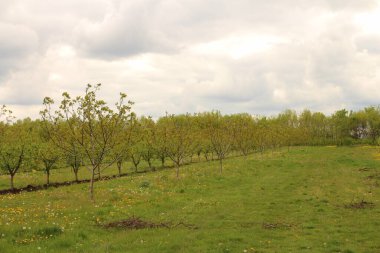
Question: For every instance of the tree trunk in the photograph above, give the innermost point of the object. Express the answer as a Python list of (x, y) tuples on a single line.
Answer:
[(92, 185), (177, 170), (12, 182), (99, 175), (76, 175), (47, 177), (119, 168), (163, 162), (150, 165), (221, 165), (136, 164)]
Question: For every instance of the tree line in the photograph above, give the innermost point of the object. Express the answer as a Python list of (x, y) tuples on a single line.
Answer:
[(85, 132)]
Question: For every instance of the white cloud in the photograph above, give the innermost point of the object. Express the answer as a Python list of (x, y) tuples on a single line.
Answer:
[(369, 21), (237, 46)]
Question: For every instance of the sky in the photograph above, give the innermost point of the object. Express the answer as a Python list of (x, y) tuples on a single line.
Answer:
[(179, 56)]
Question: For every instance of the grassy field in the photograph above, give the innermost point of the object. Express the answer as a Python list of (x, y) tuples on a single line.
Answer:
[(311, 199)]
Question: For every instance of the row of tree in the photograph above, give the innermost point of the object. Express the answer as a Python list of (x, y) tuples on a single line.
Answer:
[(85, 132)]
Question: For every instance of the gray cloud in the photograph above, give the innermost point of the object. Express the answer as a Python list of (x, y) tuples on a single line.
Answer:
[(167, 26), (16, 43), (127, 32), (192, 55)]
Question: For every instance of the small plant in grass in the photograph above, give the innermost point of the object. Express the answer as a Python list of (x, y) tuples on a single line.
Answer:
[(144, 184), (49, 231)]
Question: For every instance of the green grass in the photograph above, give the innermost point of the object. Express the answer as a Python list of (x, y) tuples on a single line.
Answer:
[(286, 202)]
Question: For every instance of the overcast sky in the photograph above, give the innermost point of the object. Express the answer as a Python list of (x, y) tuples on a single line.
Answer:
[(183, 56)]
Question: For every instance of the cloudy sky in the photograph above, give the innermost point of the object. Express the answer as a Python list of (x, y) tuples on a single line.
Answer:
[(182, 56)]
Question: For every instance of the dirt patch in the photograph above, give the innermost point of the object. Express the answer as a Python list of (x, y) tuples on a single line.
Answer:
[(360, 205), (134, 223), (374, 176), (279, 225), (364, 169), (137, 223), (268, 225), (32, 188)]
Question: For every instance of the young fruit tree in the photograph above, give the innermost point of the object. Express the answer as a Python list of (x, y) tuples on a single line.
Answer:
[(161, 142), (92, 124), (15, 147), (242, 128), (120, 153), (74, 158), (180, 143), (134, 152), (219, 131), (148, 140), (64, 144), (48, 156)]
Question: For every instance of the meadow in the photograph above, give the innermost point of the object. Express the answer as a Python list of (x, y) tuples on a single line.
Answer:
[(307, 199)]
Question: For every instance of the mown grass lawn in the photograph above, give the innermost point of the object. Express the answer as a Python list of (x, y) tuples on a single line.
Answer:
[(297, 201)]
